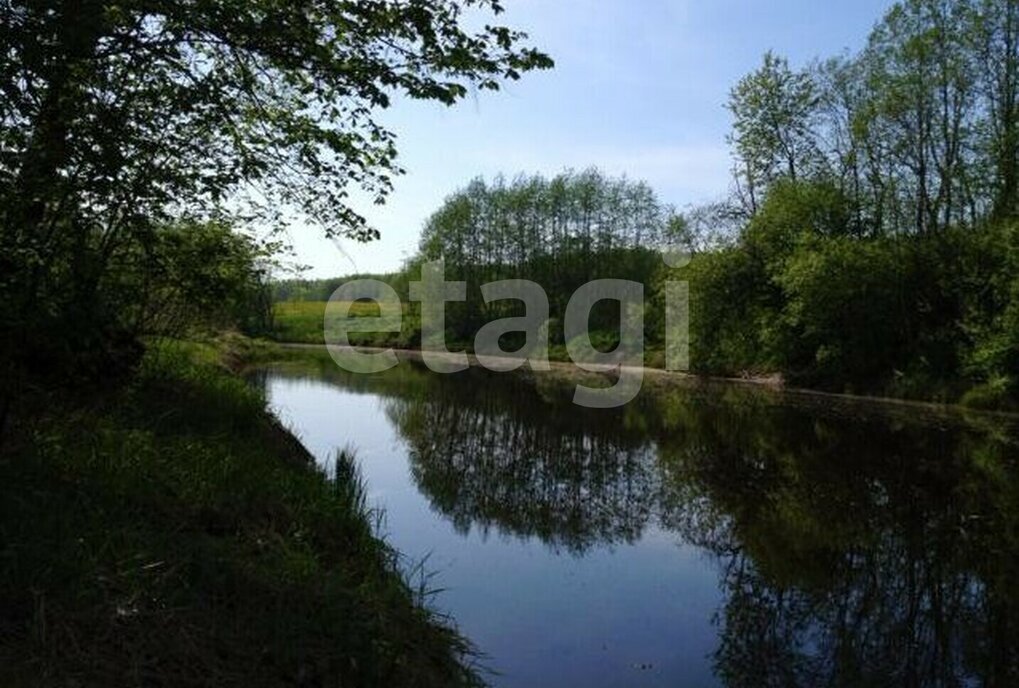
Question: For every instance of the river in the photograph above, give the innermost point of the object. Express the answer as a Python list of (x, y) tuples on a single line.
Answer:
[(705, 534)]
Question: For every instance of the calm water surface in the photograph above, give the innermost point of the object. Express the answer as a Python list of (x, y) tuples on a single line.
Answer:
[(696, 537)]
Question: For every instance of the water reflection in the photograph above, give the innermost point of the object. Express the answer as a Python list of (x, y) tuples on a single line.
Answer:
[(529, 470), (852, 547), (853, 553)]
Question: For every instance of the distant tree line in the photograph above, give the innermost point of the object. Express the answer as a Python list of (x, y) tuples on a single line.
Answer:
[(300, 289), (572, 219), (560, 232)]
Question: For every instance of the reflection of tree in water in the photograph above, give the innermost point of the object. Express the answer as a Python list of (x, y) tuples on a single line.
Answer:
[(853, 553), (508, 460), (514, 454)]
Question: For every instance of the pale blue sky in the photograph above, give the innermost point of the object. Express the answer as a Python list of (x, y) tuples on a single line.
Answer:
[(638, 89)]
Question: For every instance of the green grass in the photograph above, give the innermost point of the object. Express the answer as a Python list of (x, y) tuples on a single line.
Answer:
[(171, 533), (302, 322)]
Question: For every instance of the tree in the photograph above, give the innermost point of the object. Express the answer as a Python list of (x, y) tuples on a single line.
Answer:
[(920, 129), (116, 118), (919, 116), (774, 110), (879, 193), (995, 35), (560, 232)]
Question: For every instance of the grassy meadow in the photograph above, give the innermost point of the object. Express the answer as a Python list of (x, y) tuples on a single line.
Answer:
[(302, 322)]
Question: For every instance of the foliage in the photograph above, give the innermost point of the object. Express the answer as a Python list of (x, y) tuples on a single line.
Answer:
[(920, 130), (800, 293), (726, 312), (993, 314), (117, 119), (581, 217), (870, 242), (298, 289), (879, 196), (773, 110), (841, 322), (192, 274), (560, 232)]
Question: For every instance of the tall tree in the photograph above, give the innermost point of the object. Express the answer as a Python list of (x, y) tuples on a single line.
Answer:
[(996, 41), (920, 78), (774, 110)]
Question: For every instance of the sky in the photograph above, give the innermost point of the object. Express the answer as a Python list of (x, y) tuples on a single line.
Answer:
[(639, 88)]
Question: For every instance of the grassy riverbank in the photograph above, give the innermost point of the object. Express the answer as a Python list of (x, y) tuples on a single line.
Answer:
[(170, 532)]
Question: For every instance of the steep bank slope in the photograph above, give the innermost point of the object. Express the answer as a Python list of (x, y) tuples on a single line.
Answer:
[(170, 532)]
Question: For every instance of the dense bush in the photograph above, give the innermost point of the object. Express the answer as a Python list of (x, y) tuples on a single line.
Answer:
[(199, 274), (875, 198), (839, 323), (912, 315), (727, 313)]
